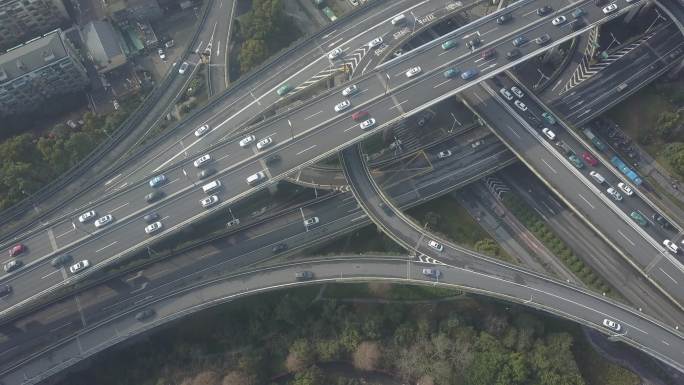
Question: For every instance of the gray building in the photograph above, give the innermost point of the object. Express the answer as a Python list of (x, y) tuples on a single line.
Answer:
[(104, 46), (37, 70), (21, 20)]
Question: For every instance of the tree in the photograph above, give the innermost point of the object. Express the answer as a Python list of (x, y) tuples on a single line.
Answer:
[(301, 355), (236, 377), (329, 349), (252, 53), (674, 154), (311, 376), (367, 356), (553, 362), (206, 377)]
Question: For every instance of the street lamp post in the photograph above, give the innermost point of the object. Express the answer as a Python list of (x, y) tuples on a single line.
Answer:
[(387, 85), (451, 131), (291, 128)]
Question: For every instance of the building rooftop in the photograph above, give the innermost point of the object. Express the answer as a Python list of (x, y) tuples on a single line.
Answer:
[(103, 43), (32, 55)]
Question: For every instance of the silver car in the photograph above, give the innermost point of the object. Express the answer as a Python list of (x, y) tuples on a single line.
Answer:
[(153, 228), (101, 222)]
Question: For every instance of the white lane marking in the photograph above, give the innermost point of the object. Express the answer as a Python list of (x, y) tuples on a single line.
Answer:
[(491, 30), (478, 97), (356, 125), (485, 62), (305, 150), (175, 180), (530, 12), (311, 116), (53, 241), (513, 131), (334, 42), (66, 232), (397, 105), (585, 199), (624, 236), (668, 276), (120, 207), (357, 218), (444, 53), (47, 275), (444, 82), (665, 342), (111, 244), (548, 165), (61, 327), (112, 180), (224, 157)]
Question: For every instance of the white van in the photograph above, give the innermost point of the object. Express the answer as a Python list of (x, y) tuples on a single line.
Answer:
[(211, 186), (399, 19), (256, 178), (597, 177)]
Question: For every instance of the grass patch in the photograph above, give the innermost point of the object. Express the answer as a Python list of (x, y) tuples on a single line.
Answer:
[(387, 291)]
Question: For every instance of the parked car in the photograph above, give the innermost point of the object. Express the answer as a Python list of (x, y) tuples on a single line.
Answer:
[(506, 94), (610, 9), (671, 246), (435, 245), (183, 67), (244, 142), (144, 315), (263, 143), (350, 90), (548, 133), (334, 54), (517, 92), (625, 189), (590, 159), (638, 218)]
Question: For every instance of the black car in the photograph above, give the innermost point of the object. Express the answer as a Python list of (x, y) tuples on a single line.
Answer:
[(61, 260), (386, 208), (151, 217), (5, 290), (145, 314), (154, 196), (279, 248), (474, 43), (545, 10), (578, 24), (662, 221), (273, 159), (513, 54), (504, 18), (206, 173), (303, 275)]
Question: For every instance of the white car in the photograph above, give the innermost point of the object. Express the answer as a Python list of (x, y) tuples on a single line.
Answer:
[(433, 273), (202, 130), (202, 160), (413, 71), (209, 201), (435, 245), (444, 154), (153, 228), (247, 140), (517, 92), (310, 221), (610, 9), (87, 216), (343, 105), (351, 90), (671, 245), (161, 53), (506, 94), (548, 133), (366, 124), (233, 222), (625, 189), (520, 105), (183, 68), (101, 222), (614, 194), (612, 325), (263, 143), (334, 54), (559, 20), (375, 42), (78, 266)]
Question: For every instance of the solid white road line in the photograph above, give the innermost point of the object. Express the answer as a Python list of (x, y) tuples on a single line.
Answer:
[(120, 207), (668, 276), (111, 244), (585, 199), (397, 105), (311, 116), (626, 238), (548, 165), (305, 150), (444, 82), (47, 275)]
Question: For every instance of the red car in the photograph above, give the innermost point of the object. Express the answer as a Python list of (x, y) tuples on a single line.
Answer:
[(590, 159), (17, 249), (360, 115)]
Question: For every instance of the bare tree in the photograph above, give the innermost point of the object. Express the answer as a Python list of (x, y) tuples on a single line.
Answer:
[(237, 377), (367, 355), (207, 377)]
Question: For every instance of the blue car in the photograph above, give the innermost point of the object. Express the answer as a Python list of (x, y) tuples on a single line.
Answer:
[(520, 40), (157, 180), (469, 74)]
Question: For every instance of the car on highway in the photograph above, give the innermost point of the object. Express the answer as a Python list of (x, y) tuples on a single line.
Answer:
[(366, 124), (206, 173), (310, 221), (451, 73), (343, 105), (350, 90), (284, 89), (474, 43), (375, 42), (435, 245), (449, 44), (303, 275), (506, 94), (162, 54), (334, 54), (413, 71), (87, 216), (543, 39), (233, 222), (158, 180), (360, 116), (520, 40), (477, 144), (576, 161), (577, 13), (103, 221), (444, 154), (5, 290), (79, 266), (151, 217), (559, 20), (597, 177), (590, 159), (256, 178), (521, 106), (545, 10), (12, 265), (548, 133), (550, 119), (513, 54), (153, 227), (517, 92), (209, 201), (203, 129), (247, 140), (183, 67), (144, 315), (432, 273), (638, 218), (625, 189), (17, 249), (279, 248), (202, 160), (503, 19), (469, 74), (263, 143), (396, 20), (671, 246), (61, 260), (610, 9), (614, 194), (610, 324), (488, 54), (273, 159), (154, 196)]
